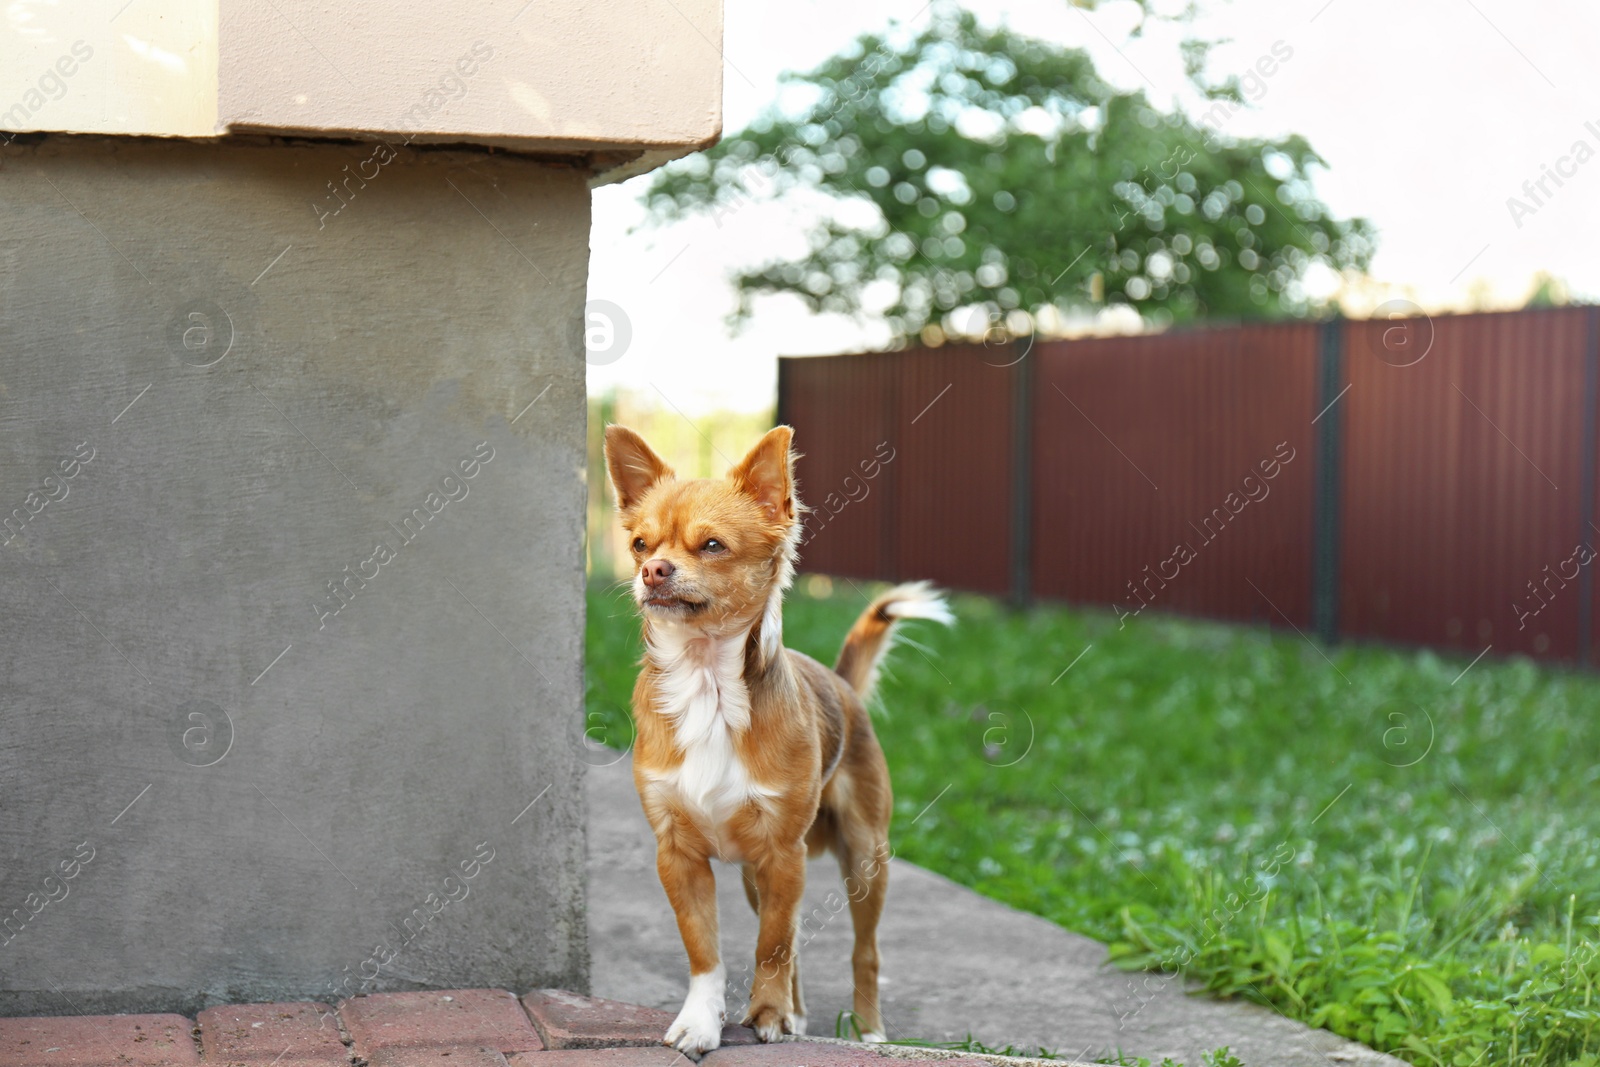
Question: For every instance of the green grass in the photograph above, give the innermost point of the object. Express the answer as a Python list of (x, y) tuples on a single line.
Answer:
[(1366, 844)]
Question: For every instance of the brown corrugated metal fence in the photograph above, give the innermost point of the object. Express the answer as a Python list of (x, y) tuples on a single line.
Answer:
[(904, 464), (1425, 481), (1464, 480), (1152, 458)]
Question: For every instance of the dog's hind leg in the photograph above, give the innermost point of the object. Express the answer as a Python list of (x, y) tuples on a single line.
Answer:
[(780, 877), (797, 1020), (750, 892), (864, 861)]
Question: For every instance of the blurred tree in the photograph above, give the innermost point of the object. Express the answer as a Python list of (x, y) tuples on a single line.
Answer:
[(1548, 291), (974, 170)]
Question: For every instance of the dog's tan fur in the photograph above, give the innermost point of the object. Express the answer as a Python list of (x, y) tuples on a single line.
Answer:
[(747, 751)]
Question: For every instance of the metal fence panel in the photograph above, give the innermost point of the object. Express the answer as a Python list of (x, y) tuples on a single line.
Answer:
[(1174, 471), (1457, 508), (952, 476), (1463, 488), (905, 464), (842, 408)]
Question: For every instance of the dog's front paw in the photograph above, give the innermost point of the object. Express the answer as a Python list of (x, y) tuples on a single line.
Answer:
[(698, 1027), (770, 1022), (694, 1033)]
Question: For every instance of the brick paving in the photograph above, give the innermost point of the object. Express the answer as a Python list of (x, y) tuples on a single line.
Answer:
[(292, 1035), (450, 1028)]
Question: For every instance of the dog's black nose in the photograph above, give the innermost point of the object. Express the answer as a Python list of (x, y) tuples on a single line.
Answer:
[(657, 571)]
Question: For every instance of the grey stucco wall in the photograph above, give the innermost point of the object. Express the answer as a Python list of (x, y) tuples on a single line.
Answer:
[(215, 398)]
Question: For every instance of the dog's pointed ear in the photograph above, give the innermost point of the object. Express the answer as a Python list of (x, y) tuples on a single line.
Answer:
[(767, 474), (634, 466)]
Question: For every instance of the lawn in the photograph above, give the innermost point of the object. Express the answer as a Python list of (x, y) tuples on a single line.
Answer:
[(1366, 838)]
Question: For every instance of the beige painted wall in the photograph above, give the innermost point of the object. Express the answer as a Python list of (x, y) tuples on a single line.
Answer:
[(540, 75), (91, 66)]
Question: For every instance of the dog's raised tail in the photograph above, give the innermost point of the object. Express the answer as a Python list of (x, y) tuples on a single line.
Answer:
[(870, 639)]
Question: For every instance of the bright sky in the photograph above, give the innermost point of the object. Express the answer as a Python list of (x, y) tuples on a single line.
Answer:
[(1430, 114)]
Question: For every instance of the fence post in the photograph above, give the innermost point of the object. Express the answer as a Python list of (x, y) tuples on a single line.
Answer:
[(780, 412), (1591, 396), (1022, 473), (1325, 513)]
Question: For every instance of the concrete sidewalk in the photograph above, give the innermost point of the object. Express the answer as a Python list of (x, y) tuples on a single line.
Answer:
[(954, 963)]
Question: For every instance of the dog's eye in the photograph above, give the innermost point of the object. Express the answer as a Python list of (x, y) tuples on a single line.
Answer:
[(714, 546), (638, 544)]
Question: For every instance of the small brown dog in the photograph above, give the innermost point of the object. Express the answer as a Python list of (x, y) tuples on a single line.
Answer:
[(747, 751)]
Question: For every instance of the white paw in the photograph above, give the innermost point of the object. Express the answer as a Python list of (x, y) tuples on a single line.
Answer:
[(698, 1027), (771, 1030), (797, 1024), (872, 1037)]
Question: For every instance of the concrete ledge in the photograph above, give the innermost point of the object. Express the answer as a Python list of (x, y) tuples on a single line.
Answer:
[(631, 82)]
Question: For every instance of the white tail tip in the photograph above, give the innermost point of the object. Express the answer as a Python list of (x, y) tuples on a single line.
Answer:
[(917, 600)]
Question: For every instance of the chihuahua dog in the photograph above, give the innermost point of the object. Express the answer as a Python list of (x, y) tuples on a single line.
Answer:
[(746, 751)]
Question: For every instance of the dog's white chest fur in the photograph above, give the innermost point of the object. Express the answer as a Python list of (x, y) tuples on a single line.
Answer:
[(700, 689)]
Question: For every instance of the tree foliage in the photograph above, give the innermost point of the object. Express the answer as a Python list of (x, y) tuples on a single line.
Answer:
[(975, 169)]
